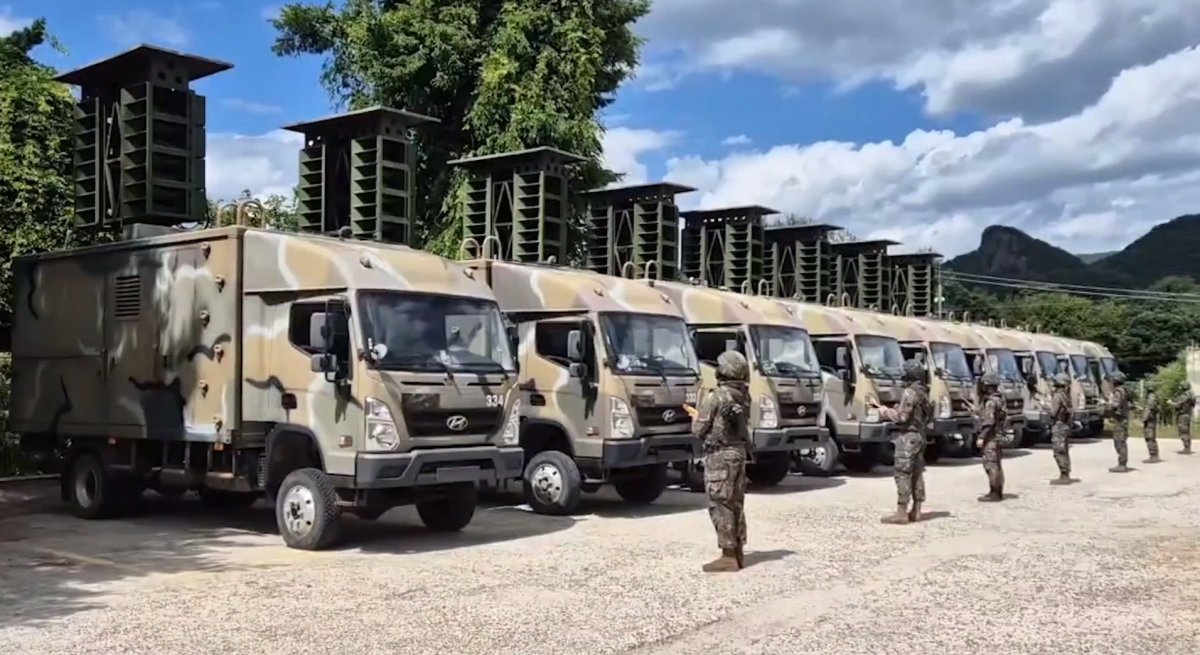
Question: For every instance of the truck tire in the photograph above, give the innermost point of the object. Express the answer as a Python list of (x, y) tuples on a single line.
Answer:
[(221, 499), (821, 461), (645, 488), (769, 470), (933, 452), (451, 512), (306, 510), (552, 483), (92, 491)]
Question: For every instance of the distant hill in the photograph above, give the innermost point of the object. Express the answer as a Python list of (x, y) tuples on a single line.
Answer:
[(1172, 248), (1093, 257)]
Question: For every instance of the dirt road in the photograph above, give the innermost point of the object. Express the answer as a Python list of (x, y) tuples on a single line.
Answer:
[(1108, 565)]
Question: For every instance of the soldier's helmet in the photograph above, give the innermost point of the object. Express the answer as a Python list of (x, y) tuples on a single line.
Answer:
[(989, 380), (732, 365), (1061, 380), (1118, 378), (914, 371)]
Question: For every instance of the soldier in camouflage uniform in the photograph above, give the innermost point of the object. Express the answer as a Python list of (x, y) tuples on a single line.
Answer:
[(1185, 404), (722, 423), (911, 418), (1150, 427), (992, 419), (1119, 404), (1061, 416)]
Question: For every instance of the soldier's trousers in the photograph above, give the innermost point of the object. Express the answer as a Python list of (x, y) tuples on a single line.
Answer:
[(1184, 424), (992, 454), (1121, 440), (1060, 436), (725, 482), (909, 467), (1150, 430)]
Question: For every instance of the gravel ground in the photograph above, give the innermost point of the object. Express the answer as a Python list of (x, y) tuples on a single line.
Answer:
[(1108, 565)]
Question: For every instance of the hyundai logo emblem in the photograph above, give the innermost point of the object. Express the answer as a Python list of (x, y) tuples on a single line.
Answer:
[(458, 423), (801, 410), (669, 416)]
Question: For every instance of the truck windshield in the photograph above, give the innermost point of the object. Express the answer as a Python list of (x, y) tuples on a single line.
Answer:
[(1048, 362), (1004, 364), (881, 356), (1079, 366), (434, 332), (1110, 365), (645, 343), (784, 351), (951, 359)]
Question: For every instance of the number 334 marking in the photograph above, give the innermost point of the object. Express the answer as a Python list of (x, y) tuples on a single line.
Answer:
[(494, 400)]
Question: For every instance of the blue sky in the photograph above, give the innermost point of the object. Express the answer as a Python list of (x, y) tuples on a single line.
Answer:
[(918, 120)]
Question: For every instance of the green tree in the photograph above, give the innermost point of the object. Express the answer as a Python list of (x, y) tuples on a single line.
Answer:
[(499, 74)]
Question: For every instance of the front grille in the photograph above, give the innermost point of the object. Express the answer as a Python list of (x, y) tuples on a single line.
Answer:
[(791, 411), (433, 422), (1015, 405), (658, 417)]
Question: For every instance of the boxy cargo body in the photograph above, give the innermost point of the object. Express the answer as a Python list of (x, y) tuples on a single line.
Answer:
[(226, 359)]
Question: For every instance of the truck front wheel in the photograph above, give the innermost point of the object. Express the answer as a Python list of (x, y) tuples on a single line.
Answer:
[(92, 491), (306, 510), (770, 469), (552, 483), (451, 512), (645, 488)]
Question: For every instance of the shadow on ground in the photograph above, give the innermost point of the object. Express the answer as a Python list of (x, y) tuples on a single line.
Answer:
[(53, 565), (753, 557)]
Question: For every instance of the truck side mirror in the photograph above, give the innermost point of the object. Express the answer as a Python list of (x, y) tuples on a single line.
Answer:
[(1026, 366), (319, 331), (731, 345), (514, 338), (843, 357), (577, 369), (575, 346), (977, 366)]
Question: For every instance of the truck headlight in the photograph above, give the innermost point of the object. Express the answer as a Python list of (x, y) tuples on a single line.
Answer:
[(1080, 400), (622, 422), (767, 412), (512, 432), (944, 407), (380, 426)]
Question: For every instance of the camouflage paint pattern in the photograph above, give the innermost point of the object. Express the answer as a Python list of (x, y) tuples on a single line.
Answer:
[(186, 336), (798, 402), (983, 341), (1085, 389), (584, 412)]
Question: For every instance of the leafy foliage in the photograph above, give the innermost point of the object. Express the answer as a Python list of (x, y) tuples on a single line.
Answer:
[(500, 75)]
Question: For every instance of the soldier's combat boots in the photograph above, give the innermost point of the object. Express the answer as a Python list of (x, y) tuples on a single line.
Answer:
[(993, 496), (914, 514), (1063, 479), (1119, 468), (1187, 450), (726, 563), (740, 555), (899, 518), (1153, 459)]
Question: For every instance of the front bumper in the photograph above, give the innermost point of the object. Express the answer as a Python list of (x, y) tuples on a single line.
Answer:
[(1037, 420), (789, 439), (438, 466), (957, 430), (875, 433), (658, 449)]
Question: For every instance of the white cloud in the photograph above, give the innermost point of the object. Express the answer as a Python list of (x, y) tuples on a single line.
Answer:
[(739, 140), (1039, 59), (139, 26), (251, 107), (1090, 181), (10, 23), (265, 164), (623, 146)]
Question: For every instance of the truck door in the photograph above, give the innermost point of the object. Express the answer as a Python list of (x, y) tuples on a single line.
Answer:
[(564, 390)]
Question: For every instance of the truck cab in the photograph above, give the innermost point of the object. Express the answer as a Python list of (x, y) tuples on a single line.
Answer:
[(1085, 386), (606, 367), (949, 378), (987, 351), (1103, 366), (786, 416), (858, 362)]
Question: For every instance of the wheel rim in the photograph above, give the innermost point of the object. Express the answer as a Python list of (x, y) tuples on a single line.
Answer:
[(819, 456), (299, 510), (547, 483), (86, 483)]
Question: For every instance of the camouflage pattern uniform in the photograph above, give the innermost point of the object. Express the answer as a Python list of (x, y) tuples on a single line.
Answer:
[(1185, 404), (1118, 408), (1150, 427), (1060, 432), (911, 418), (992, 419), (722, 423)]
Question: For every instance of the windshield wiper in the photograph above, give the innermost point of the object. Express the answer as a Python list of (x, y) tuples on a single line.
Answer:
[(492, 367)]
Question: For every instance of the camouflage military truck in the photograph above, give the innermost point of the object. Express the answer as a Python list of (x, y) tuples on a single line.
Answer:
[(948, 377), (1085, 387), (1039, 358), (987, 352), (785, 379), (327, 375), (606, 366), (859, 360), (1103, 365)]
